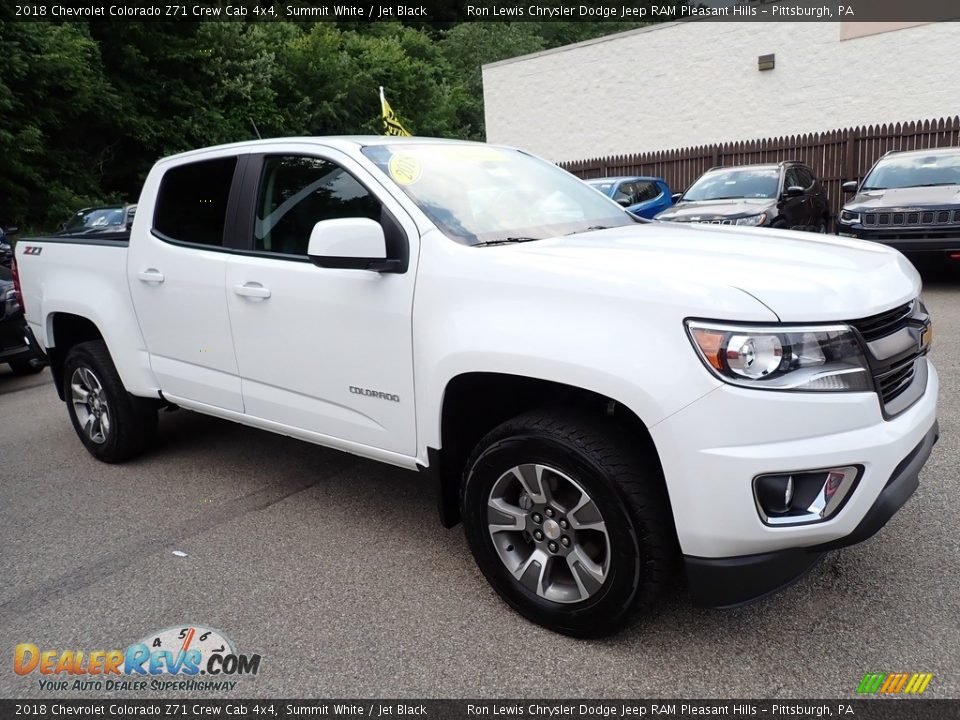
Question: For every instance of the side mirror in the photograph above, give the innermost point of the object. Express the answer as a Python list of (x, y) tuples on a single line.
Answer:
[(850, 186), (350, 244), (624, 202), (793, 191), (676, 196), (62, 226), (12, 230)]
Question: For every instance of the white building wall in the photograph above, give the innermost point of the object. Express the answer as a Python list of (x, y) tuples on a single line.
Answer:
[(694, 83)]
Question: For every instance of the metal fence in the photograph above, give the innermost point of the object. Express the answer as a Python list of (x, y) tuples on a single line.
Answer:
[(834, 156)]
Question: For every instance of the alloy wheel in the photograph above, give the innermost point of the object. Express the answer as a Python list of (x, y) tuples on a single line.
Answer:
[(90, 405), (549, 533)]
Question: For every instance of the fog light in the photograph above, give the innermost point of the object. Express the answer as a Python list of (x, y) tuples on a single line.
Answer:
[(803, 497), (774, 493)]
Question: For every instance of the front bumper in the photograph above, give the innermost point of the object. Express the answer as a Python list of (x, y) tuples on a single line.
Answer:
[(710, 468), (730, 582), (920, 241)]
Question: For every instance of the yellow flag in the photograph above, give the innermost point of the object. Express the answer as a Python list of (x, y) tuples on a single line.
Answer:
[(391, 126)]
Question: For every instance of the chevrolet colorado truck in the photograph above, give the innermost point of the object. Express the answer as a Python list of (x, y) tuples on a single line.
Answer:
[(601, 402)]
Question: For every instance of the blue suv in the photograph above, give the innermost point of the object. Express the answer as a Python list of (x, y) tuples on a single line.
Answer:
[(641, 196)]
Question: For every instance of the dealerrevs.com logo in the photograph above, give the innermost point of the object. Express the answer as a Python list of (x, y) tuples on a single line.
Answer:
[(189, 658)]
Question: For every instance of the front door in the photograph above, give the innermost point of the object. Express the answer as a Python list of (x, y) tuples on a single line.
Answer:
[(176, 269), (319, 349)]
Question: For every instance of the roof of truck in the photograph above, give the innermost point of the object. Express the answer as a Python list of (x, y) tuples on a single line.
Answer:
[(335, 141)]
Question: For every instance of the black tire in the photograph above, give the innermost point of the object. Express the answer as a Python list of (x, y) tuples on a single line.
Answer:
[(626, 488), (133, 420), (27, 367)]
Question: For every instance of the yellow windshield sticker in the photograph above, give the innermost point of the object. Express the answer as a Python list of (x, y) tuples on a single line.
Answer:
[(405, 169)]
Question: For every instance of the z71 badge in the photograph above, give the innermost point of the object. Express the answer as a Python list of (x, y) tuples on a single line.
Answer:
[(32, 250)]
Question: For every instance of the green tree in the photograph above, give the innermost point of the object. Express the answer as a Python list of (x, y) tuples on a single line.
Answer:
[(56, 141)]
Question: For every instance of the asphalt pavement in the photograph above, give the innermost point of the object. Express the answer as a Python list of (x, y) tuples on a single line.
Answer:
[(336, 571)]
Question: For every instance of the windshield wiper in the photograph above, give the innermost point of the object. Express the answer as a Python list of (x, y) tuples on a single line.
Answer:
[(589, 229), (505, 241)]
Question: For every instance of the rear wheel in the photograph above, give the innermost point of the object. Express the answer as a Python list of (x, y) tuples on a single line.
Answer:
[(112, 424), (568, 523)]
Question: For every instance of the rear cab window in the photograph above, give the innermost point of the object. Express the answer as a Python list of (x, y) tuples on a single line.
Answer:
[(192, 202)]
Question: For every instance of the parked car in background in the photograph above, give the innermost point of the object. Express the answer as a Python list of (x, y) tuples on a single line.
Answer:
[(17, 345), (909, 201), (781, 195), (6, 247), (99, 221), (641, 196)]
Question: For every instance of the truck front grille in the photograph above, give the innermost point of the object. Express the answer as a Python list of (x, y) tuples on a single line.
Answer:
[(894, 382), (885, 323), (895, 352)]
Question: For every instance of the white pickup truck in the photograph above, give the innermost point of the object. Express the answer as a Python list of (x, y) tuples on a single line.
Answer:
[(601, 401)]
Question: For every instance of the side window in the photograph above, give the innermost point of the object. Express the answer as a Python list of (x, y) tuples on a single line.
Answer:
[(806, 176), (192, 202), (626, 191), (647, 191), (792, 177), (298, 192)]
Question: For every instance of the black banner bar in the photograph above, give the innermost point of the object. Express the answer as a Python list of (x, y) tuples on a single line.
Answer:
[(877, 709), (433, 11)]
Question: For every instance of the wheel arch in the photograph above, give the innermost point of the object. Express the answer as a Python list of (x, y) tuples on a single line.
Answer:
[(474, 403), (65, 330)]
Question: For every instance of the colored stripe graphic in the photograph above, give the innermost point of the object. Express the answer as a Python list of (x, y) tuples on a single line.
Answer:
[(871, 683), (894, 683)]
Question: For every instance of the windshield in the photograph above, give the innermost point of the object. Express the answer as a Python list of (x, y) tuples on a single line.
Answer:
[(603, 186), (735, 184), (901, 171), (96, 218), (479, 194)]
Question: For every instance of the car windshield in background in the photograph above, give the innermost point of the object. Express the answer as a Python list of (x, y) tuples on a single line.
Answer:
[(902, 171), (96, 218), (478, 194), (603, 187), (735, 184)]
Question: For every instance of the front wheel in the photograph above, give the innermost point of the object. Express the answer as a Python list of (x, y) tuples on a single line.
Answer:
[(112, 424), (569, 524)]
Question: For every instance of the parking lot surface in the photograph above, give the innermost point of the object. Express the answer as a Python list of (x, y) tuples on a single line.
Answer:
[(337, 572)]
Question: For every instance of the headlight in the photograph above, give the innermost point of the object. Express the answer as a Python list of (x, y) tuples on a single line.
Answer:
[(849, 218), (753, 220), (826, 358)]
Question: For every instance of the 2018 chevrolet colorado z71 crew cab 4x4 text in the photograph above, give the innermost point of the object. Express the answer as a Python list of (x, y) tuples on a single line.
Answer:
[(598, 399)]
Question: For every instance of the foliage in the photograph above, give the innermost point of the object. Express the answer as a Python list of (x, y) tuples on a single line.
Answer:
[(87, 108)]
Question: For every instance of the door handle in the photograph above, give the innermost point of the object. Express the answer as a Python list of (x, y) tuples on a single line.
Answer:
[(252, 290), (151, 275)]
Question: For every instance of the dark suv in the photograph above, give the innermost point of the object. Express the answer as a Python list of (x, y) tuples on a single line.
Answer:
[(780, 195), (910, 201)]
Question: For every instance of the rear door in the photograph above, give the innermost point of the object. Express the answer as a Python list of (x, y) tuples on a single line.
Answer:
[(176, 267), (321, 349)]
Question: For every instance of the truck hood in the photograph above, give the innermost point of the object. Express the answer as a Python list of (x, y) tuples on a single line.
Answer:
[(801, 277), (905, 198)]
